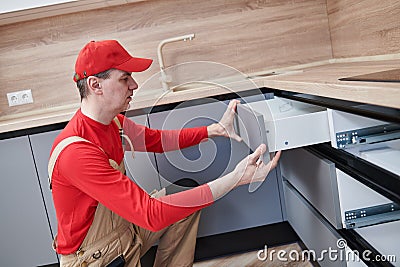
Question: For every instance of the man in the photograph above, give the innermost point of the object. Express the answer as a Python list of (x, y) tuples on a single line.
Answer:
[(103, 217)]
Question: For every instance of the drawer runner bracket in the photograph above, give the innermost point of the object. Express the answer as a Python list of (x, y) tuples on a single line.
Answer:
[(372, 215), (368, 135)]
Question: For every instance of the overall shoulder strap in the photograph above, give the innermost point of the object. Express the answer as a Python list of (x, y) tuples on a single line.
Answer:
[(57, 150), (124, 137), (66, 142), (116, 120)]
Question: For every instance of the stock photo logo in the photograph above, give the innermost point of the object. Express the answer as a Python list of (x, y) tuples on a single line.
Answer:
[(180, 169), (340, 253)]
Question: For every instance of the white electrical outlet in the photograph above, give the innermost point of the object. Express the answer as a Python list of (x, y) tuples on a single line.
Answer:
[(20, 98)]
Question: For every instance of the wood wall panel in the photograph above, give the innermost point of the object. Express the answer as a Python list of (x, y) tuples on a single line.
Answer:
[(250, 36), (364, 27)]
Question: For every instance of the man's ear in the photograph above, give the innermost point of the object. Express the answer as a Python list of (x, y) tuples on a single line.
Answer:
[(94, 85)]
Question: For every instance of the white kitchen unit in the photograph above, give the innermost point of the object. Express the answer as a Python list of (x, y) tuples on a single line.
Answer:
[(210, 160), (336, 200), (322, 199), (25, 231)]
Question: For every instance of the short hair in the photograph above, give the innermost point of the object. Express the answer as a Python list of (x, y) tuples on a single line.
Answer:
[(82, 83)]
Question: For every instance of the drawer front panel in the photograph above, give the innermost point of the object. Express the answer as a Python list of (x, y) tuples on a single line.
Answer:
[(315, 179), (312, 230)]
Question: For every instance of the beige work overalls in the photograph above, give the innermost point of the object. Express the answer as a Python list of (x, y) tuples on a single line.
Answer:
[(110, 235)]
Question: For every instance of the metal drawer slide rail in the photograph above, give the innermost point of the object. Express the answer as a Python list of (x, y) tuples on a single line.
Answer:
[(372, 215), (368, 135)]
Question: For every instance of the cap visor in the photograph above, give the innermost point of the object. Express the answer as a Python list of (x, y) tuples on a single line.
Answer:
[(135, 64)]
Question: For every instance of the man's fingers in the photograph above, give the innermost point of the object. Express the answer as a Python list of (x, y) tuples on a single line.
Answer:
[(257, 153), (275, 159), (236, 137), (233, 102), (232, 106)]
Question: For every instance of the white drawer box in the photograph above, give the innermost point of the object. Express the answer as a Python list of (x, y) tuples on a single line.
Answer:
[(329, 190), (385, 154), (285, 124)]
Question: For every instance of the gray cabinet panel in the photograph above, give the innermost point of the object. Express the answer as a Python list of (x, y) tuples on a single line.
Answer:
[(25, 232), (41, 146), (241, 209), (237, 210), (142, 167), (204, 162), (315, 179)]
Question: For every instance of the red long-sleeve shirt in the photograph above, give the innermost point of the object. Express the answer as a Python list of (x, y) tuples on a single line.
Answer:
[(82, 178)]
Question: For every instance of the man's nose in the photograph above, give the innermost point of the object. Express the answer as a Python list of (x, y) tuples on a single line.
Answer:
[(132, 84)]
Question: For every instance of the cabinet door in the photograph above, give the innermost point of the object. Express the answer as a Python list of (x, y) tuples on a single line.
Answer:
[(315, 179), (41, 145), (209, 160), (25, 232)]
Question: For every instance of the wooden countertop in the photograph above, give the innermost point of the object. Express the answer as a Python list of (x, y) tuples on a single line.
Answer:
[(323, 81), (320, 79)]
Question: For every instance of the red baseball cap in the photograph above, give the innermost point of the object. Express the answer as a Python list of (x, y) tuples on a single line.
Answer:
[(99, 56)]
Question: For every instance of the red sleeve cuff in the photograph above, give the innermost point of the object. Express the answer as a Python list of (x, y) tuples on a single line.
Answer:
[(197, 198)]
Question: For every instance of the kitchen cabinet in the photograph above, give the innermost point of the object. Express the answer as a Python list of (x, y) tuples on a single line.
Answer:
[(315, 193), (320, 198), (323, 199), (336, 200), (25, 232), (237, 210)]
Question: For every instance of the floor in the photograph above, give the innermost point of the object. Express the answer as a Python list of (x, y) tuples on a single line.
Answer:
[(258, 259)]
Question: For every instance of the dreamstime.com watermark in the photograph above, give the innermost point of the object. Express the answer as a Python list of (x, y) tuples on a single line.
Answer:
[(341, 253)]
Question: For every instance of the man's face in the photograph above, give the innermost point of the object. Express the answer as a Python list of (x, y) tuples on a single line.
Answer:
[(118, 90)]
